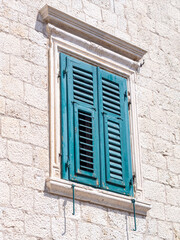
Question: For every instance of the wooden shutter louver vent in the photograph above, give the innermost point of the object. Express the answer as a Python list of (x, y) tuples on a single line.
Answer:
[(85, 141), (111, 98), (115, 159), (83, 85)]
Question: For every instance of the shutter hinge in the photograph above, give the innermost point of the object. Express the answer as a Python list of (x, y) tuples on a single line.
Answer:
[(64, 72), (68, 163), (59, 74), (125, 94), (60, 156), (131, 181), (129, 99)]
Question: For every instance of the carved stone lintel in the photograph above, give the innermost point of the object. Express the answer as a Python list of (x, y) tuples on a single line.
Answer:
[(90, 33)]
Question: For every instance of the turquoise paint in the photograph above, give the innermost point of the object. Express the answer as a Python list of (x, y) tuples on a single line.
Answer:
[(134, 212), (77, 96)]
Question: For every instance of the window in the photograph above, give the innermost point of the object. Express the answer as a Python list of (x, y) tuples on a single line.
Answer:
[(95, 127), (108, 57)]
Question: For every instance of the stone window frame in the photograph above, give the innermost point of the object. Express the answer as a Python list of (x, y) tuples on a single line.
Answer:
[(89, 44)]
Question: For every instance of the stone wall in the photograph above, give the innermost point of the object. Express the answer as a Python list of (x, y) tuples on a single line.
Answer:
[(27, 211)]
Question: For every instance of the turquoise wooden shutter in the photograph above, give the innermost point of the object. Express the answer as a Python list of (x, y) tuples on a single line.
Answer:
[(116, 169), (80, 131)]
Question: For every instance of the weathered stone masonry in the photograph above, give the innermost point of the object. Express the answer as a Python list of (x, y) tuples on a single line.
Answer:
[(27, 210)]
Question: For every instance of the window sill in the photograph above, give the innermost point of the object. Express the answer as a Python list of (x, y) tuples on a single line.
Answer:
[(100, 197)]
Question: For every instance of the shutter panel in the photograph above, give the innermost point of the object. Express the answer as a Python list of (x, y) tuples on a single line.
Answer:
[(83, 139), (114, 133)]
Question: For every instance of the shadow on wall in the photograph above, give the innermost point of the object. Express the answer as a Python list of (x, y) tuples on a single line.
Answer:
[(40, 25), (64, 211)]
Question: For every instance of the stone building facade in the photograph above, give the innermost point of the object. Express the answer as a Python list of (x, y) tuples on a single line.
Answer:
[(29, 209)]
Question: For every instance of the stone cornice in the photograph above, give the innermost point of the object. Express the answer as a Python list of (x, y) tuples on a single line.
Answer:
[(90, 33)]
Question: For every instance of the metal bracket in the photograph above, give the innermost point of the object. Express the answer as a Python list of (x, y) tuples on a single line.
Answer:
[(73, 186), (134, 210)]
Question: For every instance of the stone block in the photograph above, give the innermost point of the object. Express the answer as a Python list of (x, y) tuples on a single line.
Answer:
[(12, 45), (37, 35), (4, 64), (16, 5), (38, 225), (77, 4), (34, 53), (165, 230), (2, 105), (147, 126), (5, 194), (154, 191), (162, 146), (168, 178), (173, 196), (17, 109), (38, 116), (41, 158), (109, 17), (10, 173), (19, 68), (36, 97), (174, 165), (26, 20), (64, 228), (110, 233), (4, 24), (152, 226), (10, 127), (146, 141), (89, 231), (19, 30), (13, 220), (34, 134), (22, 198), (34, 178), (177, 151), (45, 203), (150, 172), (157, 211), (92, 10), (172, 213), (94, 214), (176, 231), (3, 148), (11, 87), (117, 219), (20, 153), (9, 13)]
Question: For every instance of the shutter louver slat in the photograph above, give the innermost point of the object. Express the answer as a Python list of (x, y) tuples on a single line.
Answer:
[(83, 85), (115, 150), (111, 99)]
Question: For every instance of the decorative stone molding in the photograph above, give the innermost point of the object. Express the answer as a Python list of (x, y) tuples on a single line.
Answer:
[(90, 33), (84, 42)]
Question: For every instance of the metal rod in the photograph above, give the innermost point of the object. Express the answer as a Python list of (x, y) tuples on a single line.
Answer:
[(134, 210), (73, 186)]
